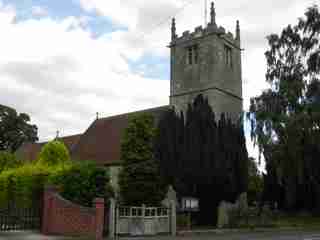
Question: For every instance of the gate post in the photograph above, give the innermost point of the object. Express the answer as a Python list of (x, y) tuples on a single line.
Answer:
[(49, 190), (173, 217), (99, 205), (112, 217)]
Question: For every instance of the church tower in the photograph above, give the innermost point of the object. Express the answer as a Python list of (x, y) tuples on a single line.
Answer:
[(208, 62)]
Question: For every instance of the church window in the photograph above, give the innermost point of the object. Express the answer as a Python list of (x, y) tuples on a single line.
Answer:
[(196, 53), (228, 55), (192, 54)]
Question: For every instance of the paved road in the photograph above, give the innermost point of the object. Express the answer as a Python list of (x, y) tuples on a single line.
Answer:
[(292, 235), (283, 235)]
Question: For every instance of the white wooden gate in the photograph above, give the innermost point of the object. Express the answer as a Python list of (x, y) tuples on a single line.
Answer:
[(138, 221)]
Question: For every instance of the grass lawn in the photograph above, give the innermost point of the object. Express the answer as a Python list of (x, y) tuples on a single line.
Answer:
[(298, 221)]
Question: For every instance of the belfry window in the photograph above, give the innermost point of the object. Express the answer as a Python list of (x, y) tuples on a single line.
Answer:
[(196, 53), (228, 55), (192, 54)]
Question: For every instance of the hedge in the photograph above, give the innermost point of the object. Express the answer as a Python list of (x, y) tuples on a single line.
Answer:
[(81, 182), (23, 185)]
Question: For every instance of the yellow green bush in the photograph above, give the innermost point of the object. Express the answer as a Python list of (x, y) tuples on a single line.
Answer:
[(54, 152), (79, 182), (23, 185), (8, 160)]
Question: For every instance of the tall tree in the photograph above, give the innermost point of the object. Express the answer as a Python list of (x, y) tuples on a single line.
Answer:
[(139, 178), (15, 129), (255, 182), (201, 157), (285, 119)]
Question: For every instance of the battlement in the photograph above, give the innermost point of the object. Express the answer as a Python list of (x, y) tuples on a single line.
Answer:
[(210, 29), (200, 32)]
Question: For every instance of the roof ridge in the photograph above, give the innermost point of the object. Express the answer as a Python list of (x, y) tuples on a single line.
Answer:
[(74, 135), (127, 113)]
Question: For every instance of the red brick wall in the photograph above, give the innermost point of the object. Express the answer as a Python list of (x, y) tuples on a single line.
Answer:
[(63, 217)]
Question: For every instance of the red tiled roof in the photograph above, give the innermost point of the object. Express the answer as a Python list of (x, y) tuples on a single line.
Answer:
[(30, 151), (70, 141), (101, 142)]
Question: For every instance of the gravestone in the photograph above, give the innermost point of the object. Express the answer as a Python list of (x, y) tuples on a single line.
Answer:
[(228, 211)]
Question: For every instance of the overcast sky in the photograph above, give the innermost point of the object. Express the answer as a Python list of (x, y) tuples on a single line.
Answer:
[(63, 61)]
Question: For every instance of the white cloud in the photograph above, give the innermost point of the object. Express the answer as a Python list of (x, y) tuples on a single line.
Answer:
[(61, 76), (38, 11), (7, 14)]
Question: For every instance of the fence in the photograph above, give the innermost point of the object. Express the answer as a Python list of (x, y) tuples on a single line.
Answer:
[(14, 218), (17, 216)]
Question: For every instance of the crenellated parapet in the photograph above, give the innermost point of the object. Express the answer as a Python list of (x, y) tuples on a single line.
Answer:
[(211, 28)]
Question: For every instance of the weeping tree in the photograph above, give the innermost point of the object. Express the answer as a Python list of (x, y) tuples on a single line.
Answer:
[(285, 119), (202, 157)]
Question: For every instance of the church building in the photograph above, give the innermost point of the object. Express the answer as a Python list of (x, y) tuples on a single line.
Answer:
[(206, 61)]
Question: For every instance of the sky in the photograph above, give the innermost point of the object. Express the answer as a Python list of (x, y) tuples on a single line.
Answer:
[(61, 61)]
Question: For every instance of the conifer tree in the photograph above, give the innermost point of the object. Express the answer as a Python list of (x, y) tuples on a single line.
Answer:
[(139, 178), (201, 157)]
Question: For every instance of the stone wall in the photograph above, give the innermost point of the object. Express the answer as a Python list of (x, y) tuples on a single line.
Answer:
[(63, 217)]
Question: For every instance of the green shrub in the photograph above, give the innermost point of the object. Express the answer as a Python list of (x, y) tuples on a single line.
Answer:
[(81, 182), (182, 221), (54, 152), (8, 160), (23, 185), (78, 182)]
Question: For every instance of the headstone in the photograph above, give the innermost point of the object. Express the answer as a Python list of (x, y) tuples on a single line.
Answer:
[(228, 211), (223, 219), (242, 203)]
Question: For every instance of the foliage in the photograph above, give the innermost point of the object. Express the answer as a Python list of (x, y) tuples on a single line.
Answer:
[(8, 160), (54, 152), (201, 157), (23, 185), (285, 118), (255, 183), (15, 129), (139, 179), (183, 221), (81, 182)]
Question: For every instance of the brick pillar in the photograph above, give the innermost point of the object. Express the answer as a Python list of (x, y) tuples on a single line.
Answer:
[(99, 221), (49, 191)]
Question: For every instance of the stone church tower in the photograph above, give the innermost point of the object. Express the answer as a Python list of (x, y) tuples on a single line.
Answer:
[(208, 62)]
